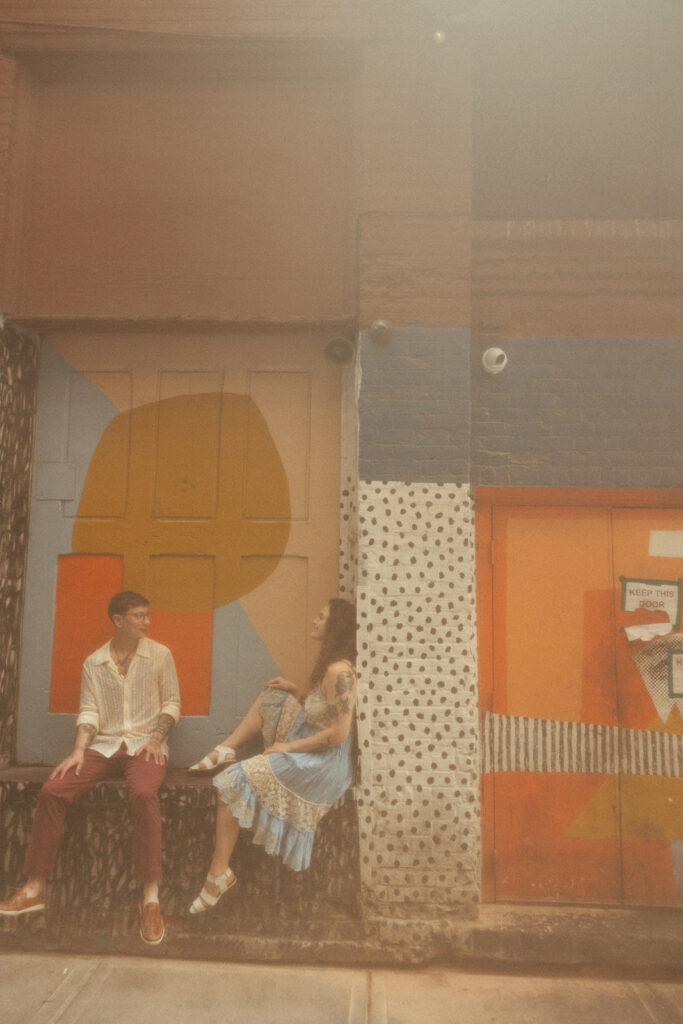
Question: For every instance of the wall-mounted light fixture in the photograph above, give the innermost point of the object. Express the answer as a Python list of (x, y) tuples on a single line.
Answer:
[(341, 351), (381, 331)]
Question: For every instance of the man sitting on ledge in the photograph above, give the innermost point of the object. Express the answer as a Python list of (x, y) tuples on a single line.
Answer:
[(129, 703)]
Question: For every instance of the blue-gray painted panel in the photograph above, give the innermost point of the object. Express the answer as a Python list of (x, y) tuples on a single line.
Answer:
[(43, 737), (583, 412), (414, 405), (241, 664)]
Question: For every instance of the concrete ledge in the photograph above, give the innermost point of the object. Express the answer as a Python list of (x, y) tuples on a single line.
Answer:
[(510, 937), (92, 899), (613, 937), (280, 916)]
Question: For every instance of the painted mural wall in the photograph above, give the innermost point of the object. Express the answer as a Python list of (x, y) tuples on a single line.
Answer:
[(426, 192), (582, 748), (576, 458), (198, 467), (207, 482)]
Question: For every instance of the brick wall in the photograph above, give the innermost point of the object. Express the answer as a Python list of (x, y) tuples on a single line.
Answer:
[(210, 17), (415, 406), (8, 80), (568, 410), (580, 412)]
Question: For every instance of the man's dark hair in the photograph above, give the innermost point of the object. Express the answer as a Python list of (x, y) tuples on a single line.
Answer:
[(123, 602)]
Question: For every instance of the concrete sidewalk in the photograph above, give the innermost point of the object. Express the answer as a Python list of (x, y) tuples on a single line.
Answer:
[(56, 989)]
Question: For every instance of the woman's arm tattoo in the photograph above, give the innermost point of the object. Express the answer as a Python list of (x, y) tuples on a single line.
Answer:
[(344, 682), (331, 714), (164, 725)]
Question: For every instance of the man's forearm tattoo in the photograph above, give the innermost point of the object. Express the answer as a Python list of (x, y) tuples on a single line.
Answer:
[(88, 733), (164, 725)]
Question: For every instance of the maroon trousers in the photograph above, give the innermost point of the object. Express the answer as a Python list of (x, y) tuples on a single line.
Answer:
[(143, 779)]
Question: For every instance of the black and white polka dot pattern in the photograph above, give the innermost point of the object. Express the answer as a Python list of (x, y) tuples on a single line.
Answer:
[(418, 716), (348, 538)]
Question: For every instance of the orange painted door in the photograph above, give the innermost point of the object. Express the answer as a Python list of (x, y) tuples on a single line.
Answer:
[(648, 546), (552, 670), (581, 799), (202, 471)]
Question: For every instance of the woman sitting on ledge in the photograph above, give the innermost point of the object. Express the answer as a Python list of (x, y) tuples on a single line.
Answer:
[(307, 765)]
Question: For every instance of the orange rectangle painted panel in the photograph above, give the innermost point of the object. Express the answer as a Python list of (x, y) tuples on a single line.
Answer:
[(85, 583), (189, 635), (549, 660), (546, 849)]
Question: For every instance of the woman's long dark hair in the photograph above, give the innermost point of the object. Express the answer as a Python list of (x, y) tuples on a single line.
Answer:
[(339, 638)]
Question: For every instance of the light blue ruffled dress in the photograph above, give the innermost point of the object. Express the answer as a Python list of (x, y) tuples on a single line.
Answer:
[(283, 797)]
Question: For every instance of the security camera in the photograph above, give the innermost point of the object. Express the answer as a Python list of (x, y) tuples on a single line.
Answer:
[(494, 360)]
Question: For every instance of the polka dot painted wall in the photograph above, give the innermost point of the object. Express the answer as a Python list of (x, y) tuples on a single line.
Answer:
[(418, 795)]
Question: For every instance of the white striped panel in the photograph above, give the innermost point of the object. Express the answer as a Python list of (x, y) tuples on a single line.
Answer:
[(512, 743)]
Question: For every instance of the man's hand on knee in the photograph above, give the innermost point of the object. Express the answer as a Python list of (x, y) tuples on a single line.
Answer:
[(74, 760), (152, 751)]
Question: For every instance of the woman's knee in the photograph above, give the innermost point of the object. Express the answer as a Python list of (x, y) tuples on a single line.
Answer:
[(256, 706)]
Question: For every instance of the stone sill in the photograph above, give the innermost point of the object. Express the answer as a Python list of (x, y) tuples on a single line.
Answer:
[(37, 775), (505, 936), (92, 898)]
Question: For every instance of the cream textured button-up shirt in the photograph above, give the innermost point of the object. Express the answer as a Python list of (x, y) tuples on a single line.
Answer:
[(126, 709)]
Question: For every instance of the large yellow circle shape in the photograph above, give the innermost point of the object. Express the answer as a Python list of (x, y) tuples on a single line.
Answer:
[(192, 492)]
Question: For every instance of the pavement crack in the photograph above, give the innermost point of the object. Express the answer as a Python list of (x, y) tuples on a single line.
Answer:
[(77, 979), (656, 1004), (359, 1002), (377, 999)]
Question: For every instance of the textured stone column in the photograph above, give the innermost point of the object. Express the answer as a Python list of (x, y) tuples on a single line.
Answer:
[(18, 380), (418, 717)]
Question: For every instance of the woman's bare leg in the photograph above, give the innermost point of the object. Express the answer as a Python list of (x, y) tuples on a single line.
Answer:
[(227, 831), (249, 727), (218, 881)]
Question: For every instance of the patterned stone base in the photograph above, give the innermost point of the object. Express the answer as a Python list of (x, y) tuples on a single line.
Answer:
[(418, 719), (92, 899)]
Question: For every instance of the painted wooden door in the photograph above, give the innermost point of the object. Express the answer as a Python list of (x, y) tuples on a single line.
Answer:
[(202, 471), (582, 795), (647, 546)]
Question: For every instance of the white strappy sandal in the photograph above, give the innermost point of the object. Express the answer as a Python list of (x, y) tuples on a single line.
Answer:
[(223, 756), (207, 900)]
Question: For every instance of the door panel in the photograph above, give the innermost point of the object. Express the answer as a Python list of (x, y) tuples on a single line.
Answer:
[(538, 857), (652, 802), (548, 655), (188, 457), (551, 667), (81, 582), (276, 396), (187, 463), (583, 745)]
